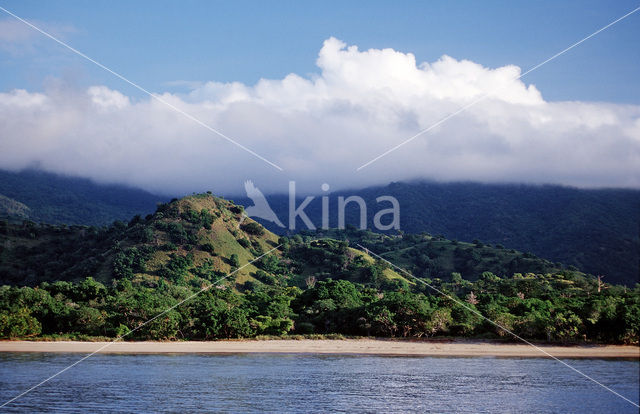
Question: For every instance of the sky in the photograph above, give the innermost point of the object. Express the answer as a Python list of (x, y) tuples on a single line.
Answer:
[(319, 90)]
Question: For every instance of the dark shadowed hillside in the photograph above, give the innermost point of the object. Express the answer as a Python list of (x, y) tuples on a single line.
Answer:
[(55, 199)]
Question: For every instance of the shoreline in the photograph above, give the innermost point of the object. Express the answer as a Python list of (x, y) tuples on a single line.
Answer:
[(383, 347)]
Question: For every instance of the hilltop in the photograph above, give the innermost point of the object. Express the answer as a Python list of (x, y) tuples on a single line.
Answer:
[(193, 240), (198, 234)]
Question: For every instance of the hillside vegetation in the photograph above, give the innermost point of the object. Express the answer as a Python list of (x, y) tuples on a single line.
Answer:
[(593, 230), (198, 236), (192, 241), (597, 231), (432, 257), (88, 282)]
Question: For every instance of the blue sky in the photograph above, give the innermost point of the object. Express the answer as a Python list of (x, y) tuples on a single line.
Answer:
[(154, 43), (320, 89)]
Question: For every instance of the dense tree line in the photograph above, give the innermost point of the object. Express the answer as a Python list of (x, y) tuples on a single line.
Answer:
[(538, 307)]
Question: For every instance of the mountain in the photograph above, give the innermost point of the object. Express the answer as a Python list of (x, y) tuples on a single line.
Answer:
[(192, 240), (593, 230), (201, 237), (201, 232), (57, 199)]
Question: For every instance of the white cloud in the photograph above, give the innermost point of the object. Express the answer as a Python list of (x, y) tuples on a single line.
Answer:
[(321, 128), (106, 98)]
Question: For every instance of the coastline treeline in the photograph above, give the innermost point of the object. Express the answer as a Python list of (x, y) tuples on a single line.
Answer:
[(531, 306)]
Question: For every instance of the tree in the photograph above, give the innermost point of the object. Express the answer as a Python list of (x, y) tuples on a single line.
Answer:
[(235, 323), (253, 228), (19, 324), (472, 298), (206, 218), (269, 263), (383, 323), (234, 260), (465, 321), (88, 320), (177, 268), (565, 326), (209, 248), (439, 321), (409, 312)]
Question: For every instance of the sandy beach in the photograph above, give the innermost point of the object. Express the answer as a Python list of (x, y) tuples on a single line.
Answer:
[(347, 346)]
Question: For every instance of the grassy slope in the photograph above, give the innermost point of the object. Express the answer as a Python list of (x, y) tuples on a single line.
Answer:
[(311, 269), (31, 253), (224, 235), (593, 230), (389, 273), (428, 256)]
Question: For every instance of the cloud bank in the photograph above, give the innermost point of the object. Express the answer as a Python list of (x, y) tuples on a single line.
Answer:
[(322, 127)]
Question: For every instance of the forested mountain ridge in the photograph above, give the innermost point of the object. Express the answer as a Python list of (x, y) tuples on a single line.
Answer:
[(56, 199)]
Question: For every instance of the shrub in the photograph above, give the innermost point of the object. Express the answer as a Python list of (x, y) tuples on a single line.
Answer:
[(253, 228), (208, 247), (19, 324)]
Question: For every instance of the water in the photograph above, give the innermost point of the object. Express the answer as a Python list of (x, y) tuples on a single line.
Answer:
[(314, 383)]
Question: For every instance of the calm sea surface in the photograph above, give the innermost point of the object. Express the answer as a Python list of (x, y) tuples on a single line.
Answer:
[(313, 383)]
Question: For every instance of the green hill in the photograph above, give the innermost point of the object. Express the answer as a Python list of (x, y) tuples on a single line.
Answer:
[(193, 240), (432, 257), (200, 237), (199, 234), (319, 259)]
